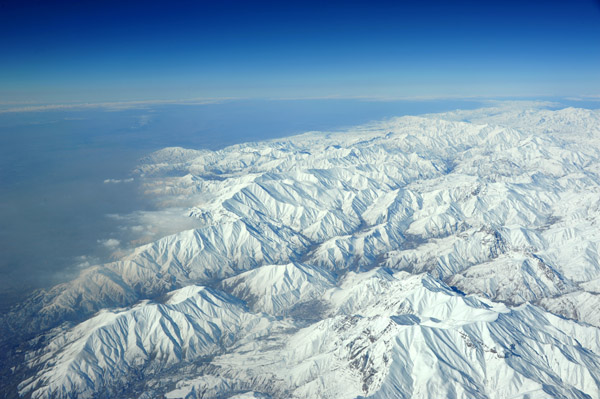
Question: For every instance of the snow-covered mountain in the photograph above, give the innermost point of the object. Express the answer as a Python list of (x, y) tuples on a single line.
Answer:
[(448, 255)]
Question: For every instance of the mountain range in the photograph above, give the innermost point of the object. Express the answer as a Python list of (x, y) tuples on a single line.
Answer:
[(445, 255)]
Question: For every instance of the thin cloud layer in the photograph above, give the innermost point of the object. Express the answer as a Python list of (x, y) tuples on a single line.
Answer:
[(112, 106)]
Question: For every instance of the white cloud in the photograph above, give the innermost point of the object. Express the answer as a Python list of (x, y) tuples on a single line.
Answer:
[(113, 106), (142, 121), (117, 181), (110, 243), (138, 228), (148, 226), (584, 98)]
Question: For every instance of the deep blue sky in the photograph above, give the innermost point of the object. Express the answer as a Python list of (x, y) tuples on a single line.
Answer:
[(53, 52)]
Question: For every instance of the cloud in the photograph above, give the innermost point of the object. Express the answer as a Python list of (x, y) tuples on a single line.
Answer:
[(138, 228), (379, 98), (148, 226), (113, 106), (584, 98), (118, 181), (142, 121), (521, 104), (85, 261), (110, 243), (124, 105)]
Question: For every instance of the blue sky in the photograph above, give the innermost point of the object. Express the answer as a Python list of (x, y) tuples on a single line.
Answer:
[(92, 51)]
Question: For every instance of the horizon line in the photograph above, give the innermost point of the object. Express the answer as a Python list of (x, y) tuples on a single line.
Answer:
[(140, 104)]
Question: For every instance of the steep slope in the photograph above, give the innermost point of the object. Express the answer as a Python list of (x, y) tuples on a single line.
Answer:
[(277, 289), (386, 334), (98, 354), (397, 335)]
